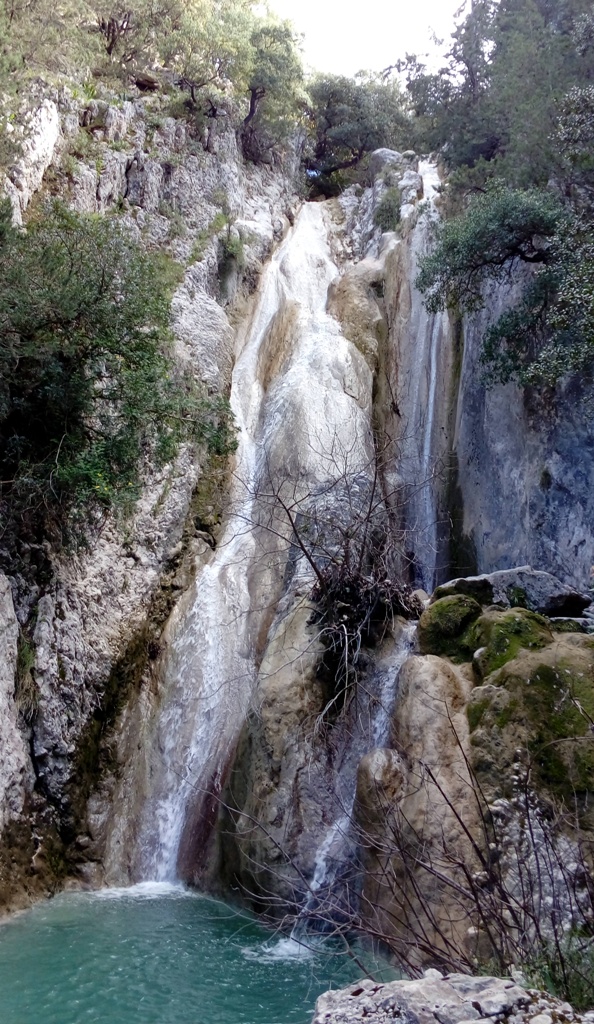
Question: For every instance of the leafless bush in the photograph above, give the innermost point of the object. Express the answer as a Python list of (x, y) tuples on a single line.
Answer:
[(513, 892), (348, 547)]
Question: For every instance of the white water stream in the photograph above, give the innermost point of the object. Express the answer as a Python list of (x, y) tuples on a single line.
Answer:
[(301, 396), (302, 400), (425, 361)]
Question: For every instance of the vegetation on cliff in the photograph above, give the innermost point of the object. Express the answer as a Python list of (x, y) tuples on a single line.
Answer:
[(89, 391), (512, 112)]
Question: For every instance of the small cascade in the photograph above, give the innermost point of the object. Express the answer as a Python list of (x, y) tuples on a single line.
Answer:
[(423, 371), (331, 894), (334, 855), (387, 672)]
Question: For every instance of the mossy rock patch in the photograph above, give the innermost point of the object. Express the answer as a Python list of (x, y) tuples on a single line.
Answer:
[(497, 636), (442, 624), (542, 703)]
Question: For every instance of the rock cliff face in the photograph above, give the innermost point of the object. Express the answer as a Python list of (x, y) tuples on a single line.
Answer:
[(523, 470), (90, 622)]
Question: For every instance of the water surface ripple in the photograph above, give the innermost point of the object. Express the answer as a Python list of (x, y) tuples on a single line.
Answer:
[(155, 954)]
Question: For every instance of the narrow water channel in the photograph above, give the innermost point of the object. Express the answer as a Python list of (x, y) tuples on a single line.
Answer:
[(156, 954)]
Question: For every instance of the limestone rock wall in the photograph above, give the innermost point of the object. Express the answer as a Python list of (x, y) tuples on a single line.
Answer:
[(15, 767), (523, 471), (92, 618)]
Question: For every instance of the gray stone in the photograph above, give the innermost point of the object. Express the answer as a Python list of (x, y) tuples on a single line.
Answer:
[(384, 159), (40, 135), (14, 762), (521, 587), (433, 999)]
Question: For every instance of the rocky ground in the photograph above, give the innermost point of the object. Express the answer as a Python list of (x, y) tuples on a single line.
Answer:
[(449, 999)]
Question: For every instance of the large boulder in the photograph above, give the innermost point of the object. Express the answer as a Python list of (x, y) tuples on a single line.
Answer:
[(419, 795), (523, 587), (540, 702), (444, 621), (434, 999)]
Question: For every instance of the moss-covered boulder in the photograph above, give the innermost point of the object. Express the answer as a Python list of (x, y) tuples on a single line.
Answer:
[(541, 703), (456, 627), (442, 624), (496, 637)]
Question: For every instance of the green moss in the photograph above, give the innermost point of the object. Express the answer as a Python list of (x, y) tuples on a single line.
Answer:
[(506, 715), (517, 597), (442, 624), (475, 712), (499, 636), (549, 712)]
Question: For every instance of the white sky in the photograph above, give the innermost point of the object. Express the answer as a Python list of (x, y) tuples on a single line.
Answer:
[(346, 36)]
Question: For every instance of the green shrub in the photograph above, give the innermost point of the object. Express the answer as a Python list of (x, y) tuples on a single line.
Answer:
[(387, 212), (233, 249), (549, 331), (219, 221), (88, 388), (566, 970), (500, 229)]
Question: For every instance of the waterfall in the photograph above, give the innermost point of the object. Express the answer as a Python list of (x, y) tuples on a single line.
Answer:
[(423, 362), (337, 851), (301, 397)]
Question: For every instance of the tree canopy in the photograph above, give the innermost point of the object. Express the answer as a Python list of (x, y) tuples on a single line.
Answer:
[(212, 48), (512, 112)]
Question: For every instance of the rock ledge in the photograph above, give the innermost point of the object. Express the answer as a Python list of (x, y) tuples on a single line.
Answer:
[(434, 999)]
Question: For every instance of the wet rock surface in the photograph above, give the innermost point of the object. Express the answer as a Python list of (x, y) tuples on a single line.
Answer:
[(449, 999), (521, 488)]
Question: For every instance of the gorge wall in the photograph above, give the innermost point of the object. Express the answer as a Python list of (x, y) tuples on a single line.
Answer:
[(182, 719), (523, 471)]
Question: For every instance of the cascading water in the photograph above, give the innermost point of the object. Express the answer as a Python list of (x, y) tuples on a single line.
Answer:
[(301, 396), (425, 338), (338, 849), (422, 380)]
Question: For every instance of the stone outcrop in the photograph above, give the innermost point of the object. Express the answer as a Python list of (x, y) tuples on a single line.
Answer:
[(521, 588), (449, 999), (490, 775), (419, 795), (39, 137), (15, 768)]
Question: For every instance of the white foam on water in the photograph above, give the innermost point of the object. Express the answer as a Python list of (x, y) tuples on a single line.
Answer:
[(286, 948), (144, 891)]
